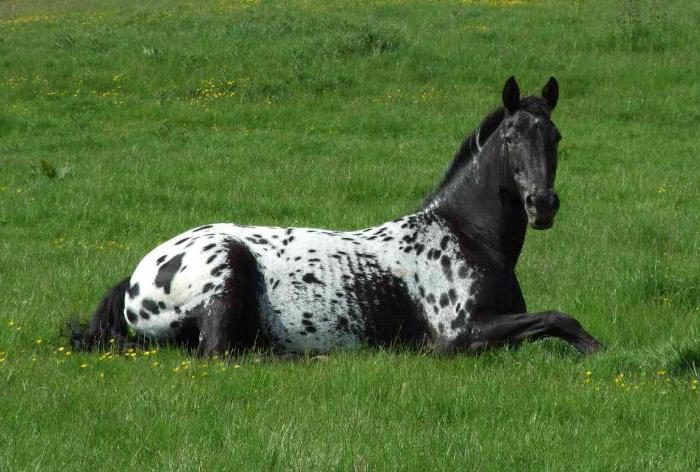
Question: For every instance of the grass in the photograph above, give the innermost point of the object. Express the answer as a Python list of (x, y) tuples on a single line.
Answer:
[(124, 123)]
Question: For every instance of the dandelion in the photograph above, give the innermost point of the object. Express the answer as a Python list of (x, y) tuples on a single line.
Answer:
[(660, 372), (662, 189), (83, 366), (38, 341), (61, 349), (101, 375), (10, 323)]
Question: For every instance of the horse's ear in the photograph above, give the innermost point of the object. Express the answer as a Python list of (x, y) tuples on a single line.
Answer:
[(511, 95), (550, 92)]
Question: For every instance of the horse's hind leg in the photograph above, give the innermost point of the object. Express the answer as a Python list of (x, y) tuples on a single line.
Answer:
[(216, 323), (514, 329), (230, 321)]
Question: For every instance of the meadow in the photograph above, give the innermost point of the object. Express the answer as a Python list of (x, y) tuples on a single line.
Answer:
[(123, 123)]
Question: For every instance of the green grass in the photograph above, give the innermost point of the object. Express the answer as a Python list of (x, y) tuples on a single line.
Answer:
[(123, 124)]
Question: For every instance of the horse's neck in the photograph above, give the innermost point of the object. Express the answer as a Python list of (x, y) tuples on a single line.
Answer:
[(479, 204)]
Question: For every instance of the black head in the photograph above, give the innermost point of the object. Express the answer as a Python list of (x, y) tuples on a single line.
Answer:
[(530, 141)]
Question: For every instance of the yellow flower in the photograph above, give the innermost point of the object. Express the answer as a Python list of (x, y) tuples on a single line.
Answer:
[(38, 341), (82, 366), (101, 375), (60, 349), (661, 372)]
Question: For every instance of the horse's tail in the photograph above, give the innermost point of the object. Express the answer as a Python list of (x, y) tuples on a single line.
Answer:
[(107, 325)]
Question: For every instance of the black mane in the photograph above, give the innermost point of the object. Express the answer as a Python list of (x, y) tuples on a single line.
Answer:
[(473, 143)]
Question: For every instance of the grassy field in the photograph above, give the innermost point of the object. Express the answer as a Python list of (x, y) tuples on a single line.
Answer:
[(123, 124)]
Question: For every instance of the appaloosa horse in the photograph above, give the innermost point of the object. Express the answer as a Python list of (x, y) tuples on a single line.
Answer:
[(442, 278)]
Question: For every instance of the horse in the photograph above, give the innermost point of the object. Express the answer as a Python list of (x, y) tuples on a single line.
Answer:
[(441, 279)]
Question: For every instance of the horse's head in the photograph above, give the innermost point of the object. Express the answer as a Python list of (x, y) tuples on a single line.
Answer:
[(530, 141)]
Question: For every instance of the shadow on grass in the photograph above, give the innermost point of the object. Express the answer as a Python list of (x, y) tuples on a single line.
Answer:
[(685, 362)]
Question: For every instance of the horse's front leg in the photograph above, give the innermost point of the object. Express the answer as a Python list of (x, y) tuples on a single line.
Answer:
[(513, 329)]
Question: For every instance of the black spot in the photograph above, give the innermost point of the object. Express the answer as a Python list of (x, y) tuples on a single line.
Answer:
[(216, 271), (310, 278), (446, 263), (208, 246), (181, 241), (312, 250), (167, 272), (161, 305), (436, 254), (463, 272), (311, 329), (274, 286), (453, 295), (144, 314), (430, 298), (177, 309), (133, 291), (307, 322), (314, 259), (202, 228), (150, 305), (415, 277), (444, 300), (419, 248), (421, 290), (388, 238), (306, 314), (131, 316), (343, 323), (460, 321), (160, 259), (443, 242), (207, 287), (175, 324), (211, 258)]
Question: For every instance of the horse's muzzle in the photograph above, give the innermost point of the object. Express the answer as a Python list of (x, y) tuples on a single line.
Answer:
[(541, 207)]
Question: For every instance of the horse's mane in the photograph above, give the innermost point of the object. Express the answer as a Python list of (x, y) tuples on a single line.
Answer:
[(473, 143), (469, 148)]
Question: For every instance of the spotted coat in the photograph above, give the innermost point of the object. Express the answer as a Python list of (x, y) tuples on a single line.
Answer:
[(316, 289)]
